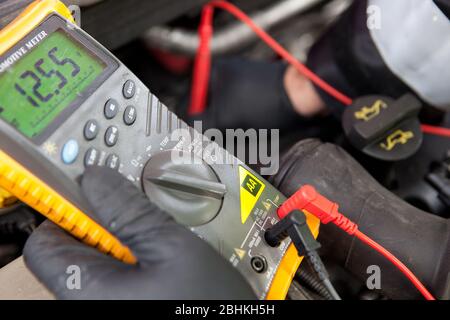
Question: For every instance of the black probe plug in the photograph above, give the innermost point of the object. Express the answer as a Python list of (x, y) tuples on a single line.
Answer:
[(295, 227)]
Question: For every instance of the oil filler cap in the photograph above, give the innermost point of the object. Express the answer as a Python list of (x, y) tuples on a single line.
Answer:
[(191, 192), (384, 128)]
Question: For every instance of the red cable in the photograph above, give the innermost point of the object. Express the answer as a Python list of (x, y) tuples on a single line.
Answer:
[(438, 131), (199, 90), (202, 64), (202, 60), (309, 200), (272, 43), (404, 269)]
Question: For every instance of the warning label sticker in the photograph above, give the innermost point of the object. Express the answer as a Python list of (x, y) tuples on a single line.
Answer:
[(250, 191)]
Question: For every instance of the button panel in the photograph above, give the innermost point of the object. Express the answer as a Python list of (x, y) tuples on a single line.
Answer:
[(95, 153)]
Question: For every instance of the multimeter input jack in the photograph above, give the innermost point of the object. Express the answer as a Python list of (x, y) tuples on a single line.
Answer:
[(259, 264)]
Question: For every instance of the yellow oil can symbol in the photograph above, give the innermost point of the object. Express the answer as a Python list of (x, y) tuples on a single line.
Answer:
[(398, 137), (368, 113)]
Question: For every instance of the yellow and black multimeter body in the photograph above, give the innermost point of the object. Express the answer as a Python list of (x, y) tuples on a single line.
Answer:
[(67, 103)]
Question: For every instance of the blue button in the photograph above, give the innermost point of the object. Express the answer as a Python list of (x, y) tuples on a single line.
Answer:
[(70, 151)]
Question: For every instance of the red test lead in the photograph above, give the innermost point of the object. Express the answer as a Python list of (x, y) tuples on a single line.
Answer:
[(309, 200)]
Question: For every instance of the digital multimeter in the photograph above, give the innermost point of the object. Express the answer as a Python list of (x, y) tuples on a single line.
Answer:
[(67, 103)]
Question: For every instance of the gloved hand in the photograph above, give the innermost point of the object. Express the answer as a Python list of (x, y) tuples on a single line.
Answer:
[(246, 94), (173, 262), (411, 234)]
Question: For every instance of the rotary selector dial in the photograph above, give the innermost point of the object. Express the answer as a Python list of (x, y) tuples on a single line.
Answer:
[(190, 192)]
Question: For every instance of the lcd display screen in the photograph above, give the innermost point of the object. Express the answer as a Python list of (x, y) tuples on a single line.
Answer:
[(47, 80)]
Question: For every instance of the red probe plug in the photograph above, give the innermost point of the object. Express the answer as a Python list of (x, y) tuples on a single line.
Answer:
[(309, 200)]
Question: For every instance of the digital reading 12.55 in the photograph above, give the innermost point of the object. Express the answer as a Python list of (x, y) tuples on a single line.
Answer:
[(45, 82)]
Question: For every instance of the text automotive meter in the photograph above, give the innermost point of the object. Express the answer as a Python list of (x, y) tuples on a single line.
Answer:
[(67, 103)]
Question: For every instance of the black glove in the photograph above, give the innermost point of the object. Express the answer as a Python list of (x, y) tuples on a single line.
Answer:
[(173, 262), (246, 94), (411, 234)]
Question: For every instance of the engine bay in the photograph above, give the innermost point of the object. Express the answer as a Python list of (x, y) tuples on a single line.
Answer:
[(401, 198)]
